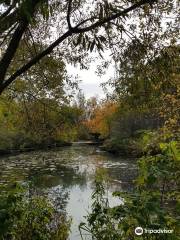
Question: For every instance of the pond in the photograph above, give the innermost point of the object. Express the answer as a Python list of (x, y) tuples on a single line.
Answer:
[(66, 175)]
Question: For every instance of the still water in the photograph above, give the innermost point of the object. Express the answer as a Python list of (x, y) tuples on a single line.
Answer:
[(66, 175)]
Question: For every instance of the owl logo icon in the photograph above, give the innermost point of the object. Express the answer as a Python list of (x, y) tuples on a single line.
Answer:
[(139, 231)]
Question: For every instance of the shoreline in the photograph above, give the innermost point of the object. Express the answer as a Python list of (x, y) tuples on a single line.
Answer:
[(4, 152)]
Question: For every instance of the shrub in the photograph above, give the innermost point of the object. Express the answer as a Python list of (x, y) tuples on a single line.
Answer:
[(29, 217), (154, 204)]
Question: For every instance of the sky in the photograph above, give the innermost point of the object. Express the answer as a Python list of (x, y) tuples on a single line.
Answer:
[(90, 82)]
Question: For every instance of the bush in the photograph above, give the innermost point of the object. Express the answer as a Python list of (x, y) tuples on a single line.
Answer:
[(29, 217), (123, 146), (154, 204)]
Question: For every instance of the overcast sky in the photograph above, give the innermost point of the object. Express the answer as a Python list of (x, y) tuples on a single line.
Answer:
[(90, 82)]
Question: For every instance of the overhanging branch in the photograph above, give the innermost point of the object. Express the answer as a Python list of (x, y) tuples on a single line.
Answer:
[(34, 61), (11, 50), (75, 30), (68, 14), (8, 21), (113, 17)]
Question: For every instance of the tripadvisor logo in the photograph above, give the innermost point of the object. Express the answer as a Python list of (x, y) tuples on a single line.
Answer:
[(139, 231)]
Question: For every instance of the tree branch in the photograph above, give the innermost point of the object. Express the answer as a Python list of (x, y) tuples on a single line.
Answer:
[(11, 50), (34, 61), (8, 21), (6, 12), (68, 14), (84, 21), (112, 17), (74, 30), (8, 33)]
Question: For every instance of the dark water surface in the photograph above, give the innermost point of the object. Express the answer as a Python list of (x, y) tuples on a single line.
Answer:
[(66, 175)]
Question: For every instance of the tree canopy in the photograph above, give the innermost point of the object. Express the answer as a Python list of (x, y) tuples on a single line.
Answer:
[(74, 27)]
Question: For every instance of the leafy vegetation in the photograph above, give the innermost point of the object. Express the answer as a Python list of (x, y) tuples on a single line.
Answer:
[(80, 27), (100, 117), (147, 98), (29, 217), (146, 123), (154, 203), (27, 124), (39, 113), (141, 117)]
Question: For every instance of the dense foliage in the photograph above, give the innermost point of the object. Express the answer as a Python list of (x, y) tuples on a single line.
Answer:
[(146, 123), (29, 217), (78, 27), (37, 111), (100, 119), (36, 123), (147, 95), (141, 117), (154, 203)]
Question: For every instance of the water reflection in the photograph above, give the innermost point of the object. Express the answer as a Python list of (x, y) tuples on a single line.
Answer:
[(66, 176)]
